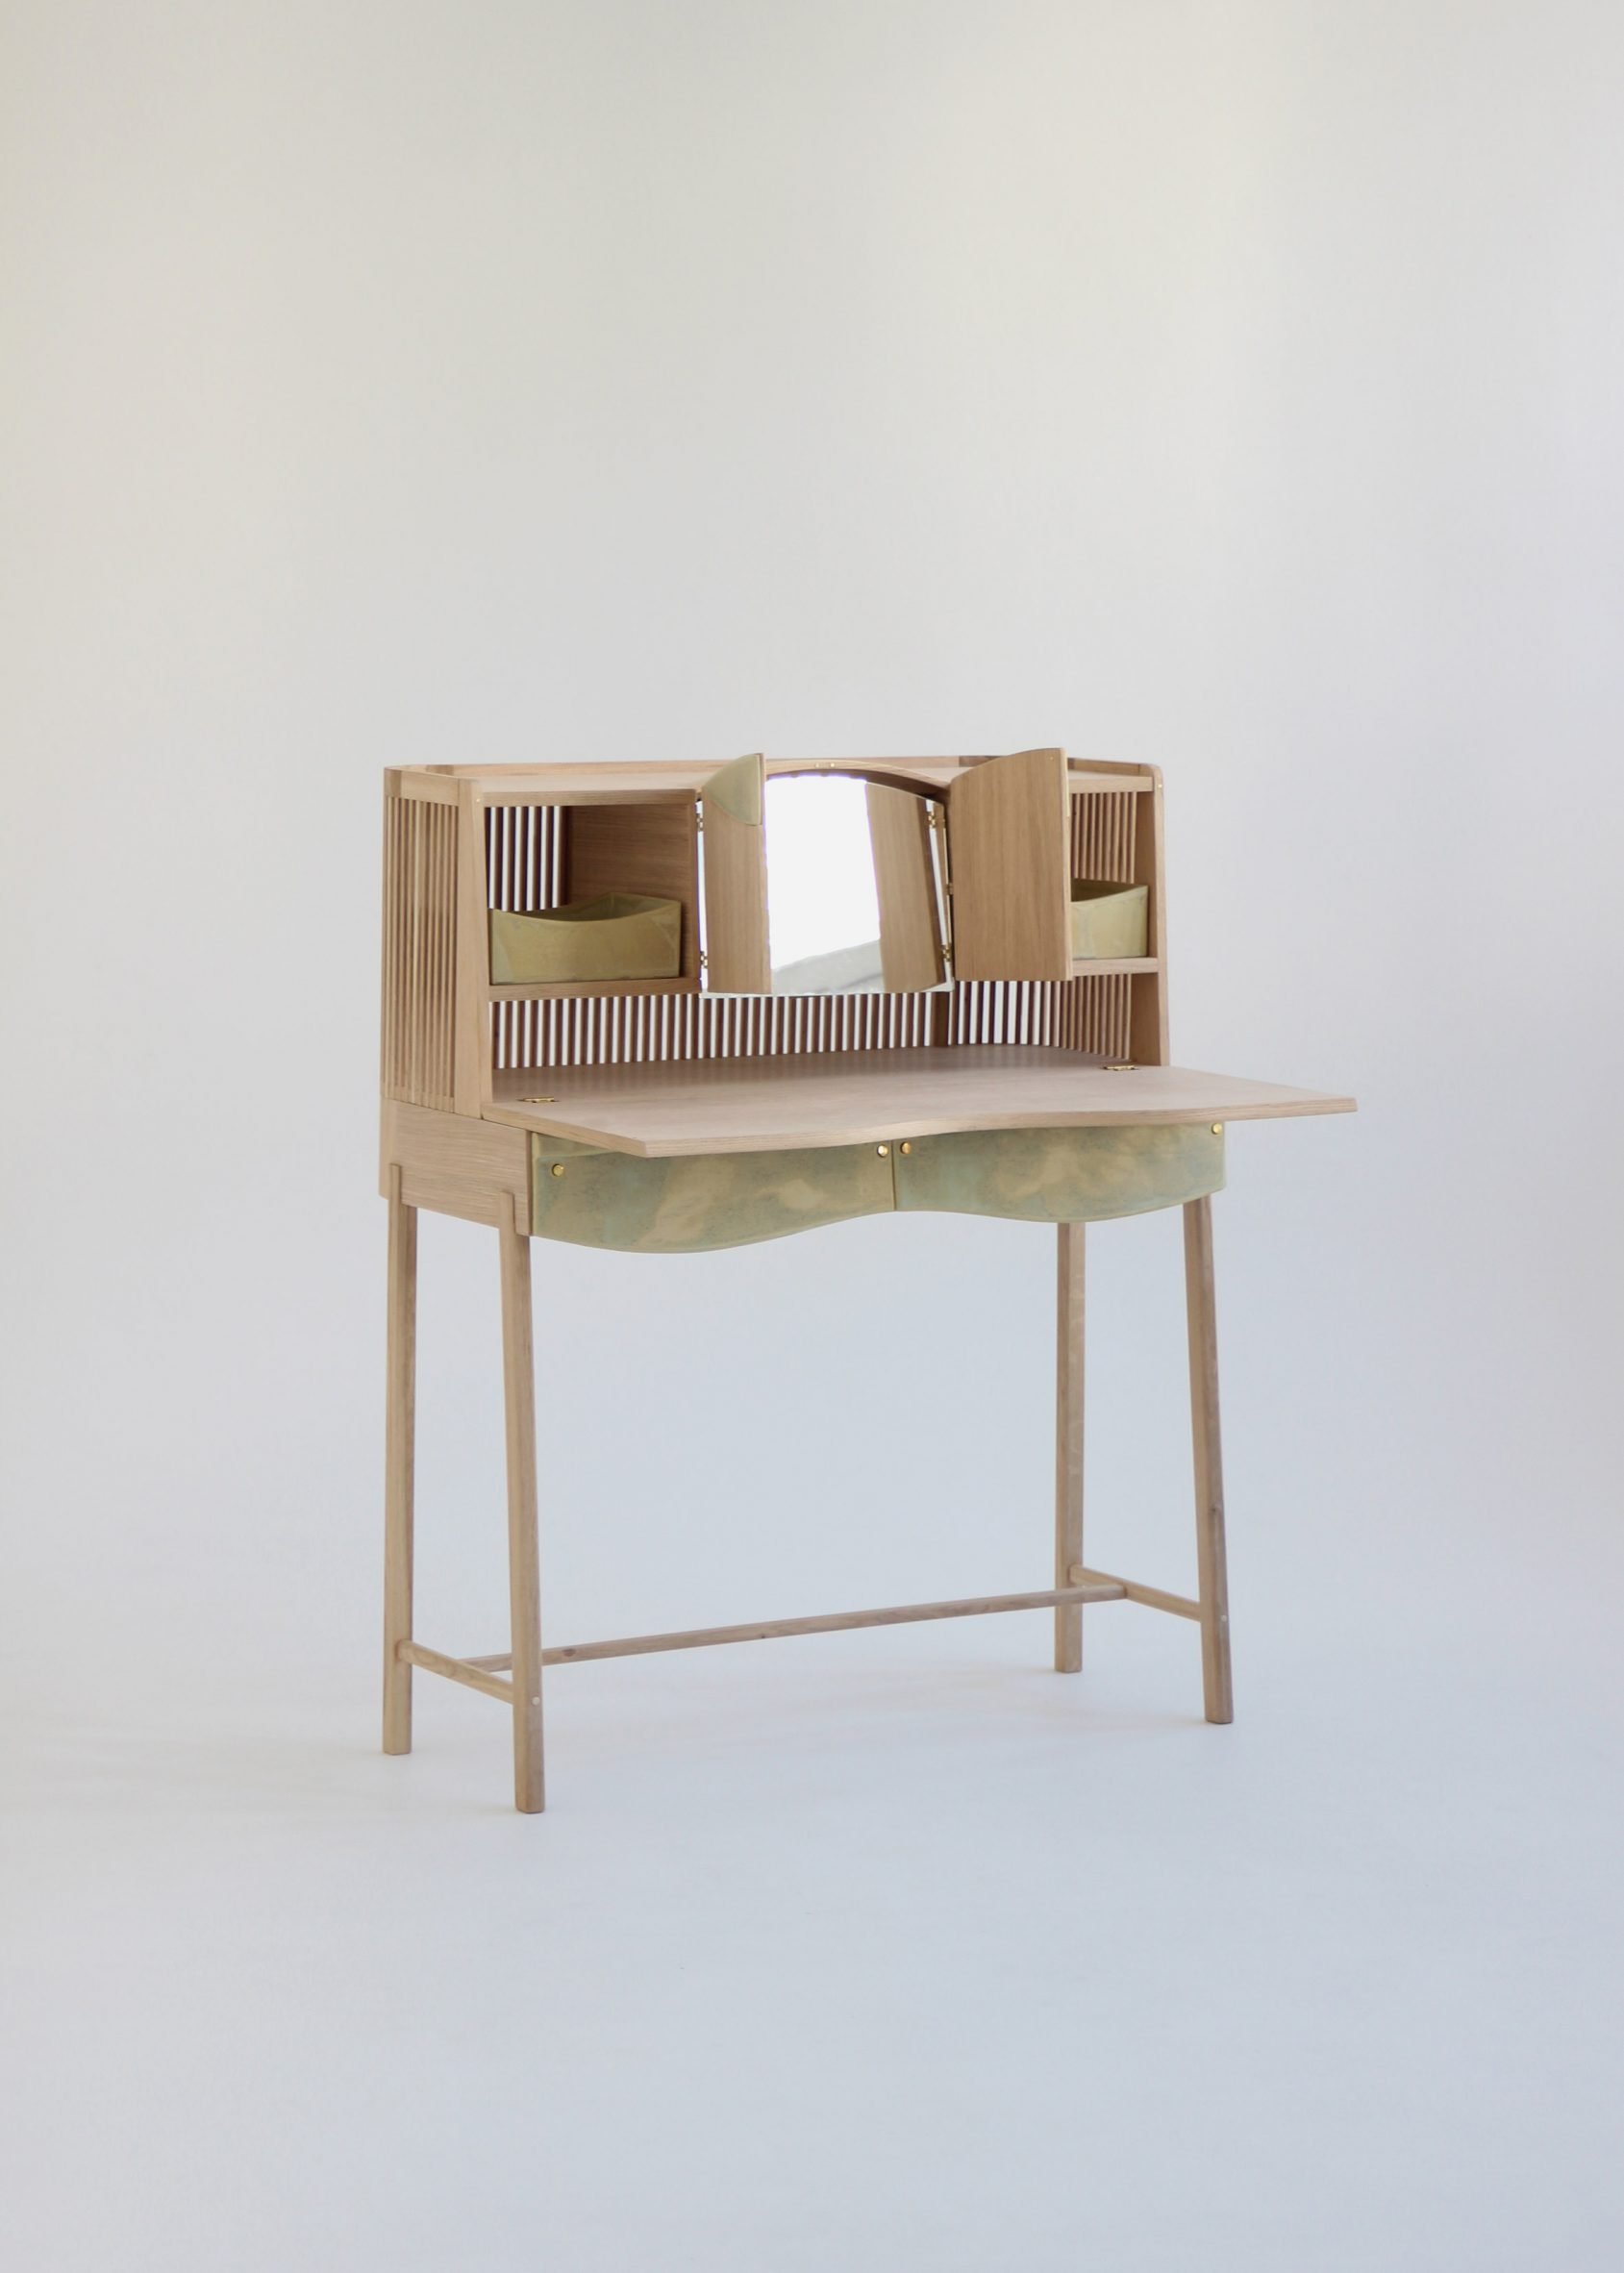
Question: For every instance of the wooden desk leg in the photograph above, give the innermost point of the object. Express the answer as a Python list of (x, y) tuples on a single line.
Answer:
[(524, 1581), (1211, 1562), (1068, 1442), (399, 1430)]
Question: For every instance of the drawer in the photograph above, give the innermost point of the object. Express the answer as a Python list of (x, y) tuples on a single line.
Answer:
[(702, 1200), (1059, 1175), (589, 1198)]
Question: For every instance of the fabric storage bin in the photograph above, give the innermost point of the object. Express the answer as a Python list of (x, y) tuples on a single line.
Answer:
[(619, 935), (1108, 919)]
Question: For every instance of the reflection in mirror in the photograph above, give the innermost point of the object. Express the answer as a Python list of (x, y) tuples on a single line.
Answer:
[(854, 903), (823, 912)]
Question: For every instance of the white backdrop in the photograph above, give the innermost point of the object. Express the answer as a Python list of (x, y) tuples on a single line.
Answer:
[(1230, 386)]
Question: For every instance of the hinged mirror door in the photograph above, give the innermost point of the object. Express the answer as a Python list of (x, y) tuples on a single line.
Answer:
[(1009, 837), (899, 827), (733, 806)]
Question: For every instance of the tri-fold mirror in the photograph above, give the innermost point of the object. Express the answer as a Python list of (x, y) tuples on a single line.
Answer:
[(825, 878), (853, 902), (821, 882)]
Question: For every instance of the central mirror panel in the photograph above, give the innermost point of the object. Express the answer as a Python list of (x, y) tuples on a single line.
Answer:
[(823, 907), (853, 897)]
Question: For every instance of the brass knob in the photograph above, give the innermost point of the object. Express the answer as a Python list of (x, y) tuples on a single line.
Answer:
[(907, 1147), (884, 1151), (558, 1168), (1217, 1128)]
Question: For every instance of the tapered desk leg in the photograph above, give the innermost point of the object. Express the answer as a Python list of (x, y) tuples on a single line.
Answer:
[(399, 1429), (524, 1581), (1211, 1562), (1068, 1442)]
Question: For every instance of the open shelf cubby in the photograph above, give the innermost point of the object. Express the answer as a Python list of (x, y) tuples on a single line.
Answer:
[(540, 860), (979, 853)]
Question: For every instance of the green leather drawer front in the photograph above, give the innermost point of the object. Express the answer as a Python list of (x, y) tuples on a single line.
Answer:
[(682, 1207), (1059, 1175)]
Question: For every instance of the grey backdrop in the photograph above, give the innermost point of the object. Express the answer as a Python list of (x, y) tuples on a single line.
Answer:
[(1230, 387)]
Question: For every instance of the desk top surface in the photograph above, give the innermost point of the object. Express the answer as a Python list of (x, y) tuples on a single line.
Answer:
[(781, 1104)]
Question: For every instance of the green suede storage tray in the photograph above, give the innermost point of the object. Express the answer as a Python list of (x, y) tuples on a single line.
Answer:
[(700, 1201), (1108, 919), (619, 935)]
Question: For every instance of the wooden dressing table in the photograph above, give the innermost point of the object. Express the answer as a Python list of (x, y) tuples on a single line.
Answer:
[(985, 1065)]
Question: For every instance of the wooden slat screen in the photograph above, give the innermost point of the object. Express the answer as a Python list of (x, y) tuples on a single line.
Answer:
[(420, 951)]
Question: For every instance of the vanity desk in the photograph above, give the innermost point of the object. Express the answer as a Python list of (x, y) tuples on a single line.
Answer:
[(664, 1007)]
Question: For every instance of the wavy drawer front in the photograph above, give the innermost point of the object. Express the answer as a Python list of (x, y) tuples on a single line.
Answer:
[(1059, 1175), (682, 1207), (695, 1202)]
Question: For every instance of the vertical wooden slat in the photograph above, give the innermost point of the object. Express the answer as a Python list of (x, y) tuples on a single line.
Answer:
[(471, 1061), (387, 956), (445, 967), (418, 947), (1147, 1039)]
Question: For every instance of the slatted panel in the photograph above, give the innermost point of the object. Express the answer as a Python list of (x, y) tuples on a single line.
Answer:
[(524, 868), (1089, 1014), (420, 950), (1097, 1016), (1103, 822), (636, 1029), (524, 857)]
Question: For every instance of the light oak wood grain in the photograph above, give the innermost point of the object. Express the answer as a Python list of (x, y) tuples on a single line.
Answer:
[(399, 1441), (899, 832), (650, 849), (419, 904), (1178, 1606), (1212, 1563), (471, 1676), (766, 1105), (524, 1578), (472, 1050), (420, 784), (1147, 1027), (673, 781), (910, 1614), (737, 954), (693, 1083), (1009, 824), (455, 1165), (1068, 1437)]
